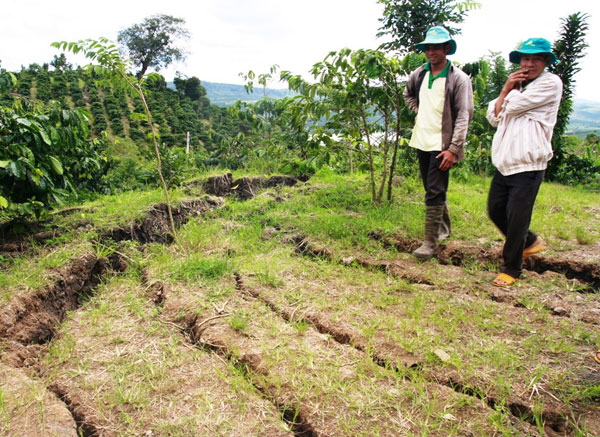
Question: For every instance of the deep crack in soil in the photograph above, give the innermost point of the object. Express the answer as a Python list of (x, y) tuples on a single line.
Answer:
[(246, 188), (33, 319), (15, 244), (561, 304), (85, 425), (391, 355), (554, 421), (458, 252), (154, 227), (30, 322), (245, 364), (31, 409)]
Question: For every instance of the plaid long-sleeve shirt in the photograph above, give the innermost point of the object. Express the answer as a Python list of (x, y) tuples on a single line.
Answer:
[(525, 126)]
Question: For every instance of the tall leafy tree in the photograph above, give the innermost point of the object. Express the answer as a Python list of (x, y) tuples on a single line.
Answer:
[(60, 63), (190, 87), (407, 21), (152, 43), (569, 49)]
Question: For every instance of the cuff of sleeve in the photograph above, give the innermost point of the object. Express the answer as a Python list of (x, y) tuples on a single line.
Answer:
[(455, 149), (490, 115)]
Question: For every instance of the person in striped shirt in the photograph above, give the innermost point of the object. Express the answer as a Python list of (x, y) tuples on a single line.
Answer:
[(525, 114)]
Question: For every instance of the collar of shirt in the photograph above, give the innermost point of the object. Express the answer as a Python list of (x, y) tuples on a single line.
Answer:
[(443, 73)]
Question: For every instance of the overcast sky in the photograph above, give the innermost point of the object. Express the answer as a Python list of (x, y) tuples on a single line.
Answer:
[(232, 36)]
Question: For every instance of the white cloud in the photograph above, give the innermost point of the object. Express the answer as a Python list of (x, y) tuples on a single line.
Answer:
[(231, 36)]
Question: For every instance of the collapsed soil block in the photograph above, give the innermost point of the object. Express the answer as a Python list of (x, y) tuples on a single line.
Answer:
[(29, 409)]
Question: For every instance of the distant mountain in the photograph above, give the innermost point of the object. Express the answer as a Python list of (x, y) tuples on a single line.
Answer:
[(585, 117), (225, 94)]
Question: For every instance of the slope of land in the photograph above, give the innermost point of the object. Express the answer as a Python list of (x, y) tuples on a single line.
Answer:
[(293, 307)]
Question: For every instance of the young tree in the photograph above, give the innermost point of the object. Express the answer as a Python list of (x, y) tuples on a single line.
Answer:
[(116, 69), (152, 42), (569, 48), (357, 101), (407, 21)]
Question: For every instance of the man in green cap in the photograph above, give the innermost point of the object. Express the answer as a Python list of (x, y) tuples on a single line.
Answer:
[(525, 113), (442, 97)]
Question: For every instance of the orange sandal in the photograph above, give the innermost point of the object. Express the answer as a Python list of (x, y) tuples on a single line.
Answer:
[(538, 246), (504, 280)]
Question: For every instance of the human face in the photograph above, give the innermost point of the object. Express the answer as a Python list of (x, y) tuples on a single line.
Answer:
[(533, 65), (436, 53)]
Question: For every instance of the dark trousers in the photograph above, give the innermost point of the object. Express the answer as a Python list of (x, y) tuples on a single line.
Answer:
[(510, 205), (435, 181)]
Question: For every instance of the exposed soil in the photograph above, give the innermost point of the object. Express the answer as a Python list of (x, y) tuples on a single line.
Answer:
[(13, 243), (390, 355), (560, 303), (522, 408), (381, 350), (458, 253), (247, 187), (27, 324), (154, 227), (219, 185), (33, 318), (164, 363), (151, 381), (318, 410), (80, 413)]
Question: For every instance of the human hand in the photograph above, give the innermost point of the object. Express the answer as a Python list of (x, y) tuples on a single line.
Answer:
[(515, 79), (448, 160)]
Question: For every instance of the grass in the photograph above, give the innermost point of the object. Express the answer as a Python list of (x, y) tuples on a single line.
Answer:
[(198, 267), (144, 376), (130, 357), (26, 274), (239, 320)]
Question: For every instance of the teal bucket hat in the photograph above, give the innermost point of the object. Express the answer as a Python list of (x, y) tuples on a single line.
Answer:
[(437, 35), (533, 46)]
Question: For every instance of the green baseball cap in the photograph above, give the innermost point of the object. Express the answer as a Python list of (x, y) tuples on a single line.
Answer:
[(437, 35), (531, 47)]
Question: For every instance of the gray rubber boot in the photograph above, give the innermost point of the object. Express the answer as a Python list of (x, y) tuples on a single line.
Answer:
[(433, 218), (445, 224)]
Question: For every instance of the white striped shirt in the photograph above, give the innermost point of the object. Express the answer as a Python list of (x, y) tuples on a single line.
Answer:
[(525, 126)]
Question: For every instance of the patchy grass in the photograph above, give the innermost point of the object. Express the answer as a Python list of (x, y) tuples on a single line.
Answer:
[(238, 332), (126, 361)]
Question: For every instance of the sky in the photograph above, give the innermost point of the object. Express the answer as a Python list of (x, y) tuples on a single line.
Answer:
[(233, 36)]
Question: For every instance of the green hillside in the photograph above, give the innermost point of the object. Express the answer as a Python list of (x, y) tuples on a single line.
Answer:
[(175, 112), (223, 94), (585, 118)]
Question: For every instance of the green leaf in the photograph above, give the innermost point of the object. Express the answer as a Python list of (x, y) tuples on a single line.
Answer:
[(54, 135), (45, 137), (3, 202), (24, 121), (35, 178), (56, 165), (14, 169), (4, 164)]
